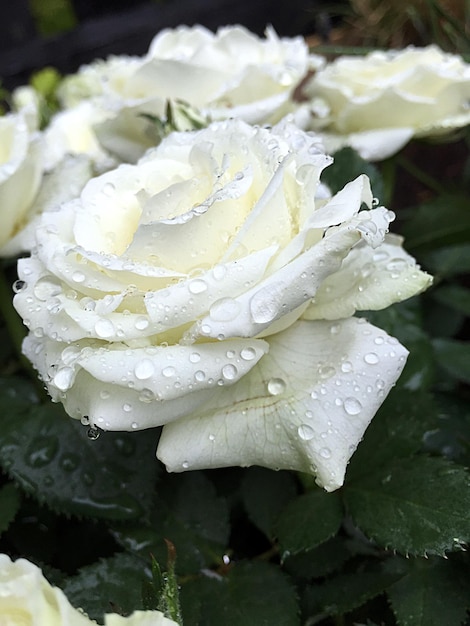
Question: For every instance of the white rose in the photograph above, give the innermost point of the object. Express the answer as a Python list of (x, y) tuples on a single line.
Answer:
[(172, 291), (26, 597), (20, 172), (378, 102), (232, 73)]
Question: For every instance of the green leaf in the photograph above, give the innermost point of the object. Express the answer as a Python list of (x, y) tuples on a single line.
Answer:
[(434, 592), (443, 221), (454, 357), (252, 593), (451, 436), (189, 513), (49, 455), (10, 501), (308, 521), (449, 260), (111, 585), (453, 296), (347, 166), (417, 505), (345, 592), (265, 493), (325, 559), (397, 430)]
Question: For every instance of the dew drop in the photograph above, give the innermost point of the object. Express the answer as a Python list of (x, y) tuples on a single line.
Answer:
[(200, 376), (19, 285), (346, 367), (141, 323), (276, 386), (334, 329), (305, 432), (78, 277), (194, 357), (352, 406), (144, 369), (371, 358), (134, 425), (85, 420), (185, 464), (325, 453), (126, 407), (248, 354), (46, 288), (326, 371), (168, 371), (224, 310), (229, 371), (146, 395), (93, 433), (197, 286), (104, 328), (64, 378)]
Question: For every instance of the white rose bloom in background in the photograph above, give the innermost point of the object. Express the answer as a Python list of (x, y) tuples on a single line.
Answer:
[(30, 183), (194, 290), (377, 103), (20, 172), (27, 598), (232, 73)]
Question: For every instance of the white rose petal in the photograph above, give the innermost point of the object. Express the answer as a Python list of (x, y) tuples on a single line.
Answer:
[(377, 103), (169, 283), (305, 406)]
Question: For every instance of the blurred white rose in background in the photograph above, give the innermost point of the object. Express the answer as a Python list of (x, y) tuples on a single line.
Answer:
[(378, 102)]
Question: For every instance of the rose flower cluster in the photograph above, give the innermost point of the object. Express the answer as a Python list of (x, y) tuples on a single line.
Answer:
[(206, 280)]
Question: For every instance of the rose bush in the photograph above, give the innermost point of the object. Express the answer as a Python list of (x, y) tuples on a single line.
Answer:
[(377, 103), (27, 598), (232, 73), (201, 290)]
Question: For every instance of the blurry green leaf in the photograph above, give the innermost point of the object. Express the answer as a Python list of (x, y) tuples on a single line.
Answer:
[(10, 501), (252, 593), (345, 592), (322, 560), (418, 505), (308, 521), (451, 436), (397, 430), (54, 16), (265, 493), (188, 513), (49, 455), (454, 357), (453, 296), (348, 165), (443, 221), (433, 593), (448, 261), (110, 586)]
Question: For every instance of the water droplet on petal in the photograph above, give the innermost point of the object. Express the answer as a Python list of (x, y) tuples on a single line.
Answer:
[(326, 371), (371, 358), (224, 310), (352, 406), (19, 285), (46, 288), (229, 372), (199, 375), (248, 354), (305, 432), (104, 328), (144, 369), (64, 378), (78, 277), (141, 323), (185, 464), (168, 371), (276, 386), (85, 420), (347, 367), (197, 286), (93, 433), (325, 453), (194, 357)]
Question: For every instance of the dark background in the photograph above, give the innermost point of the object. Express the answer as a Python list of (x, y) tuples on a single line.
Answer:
[(127, 26)]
